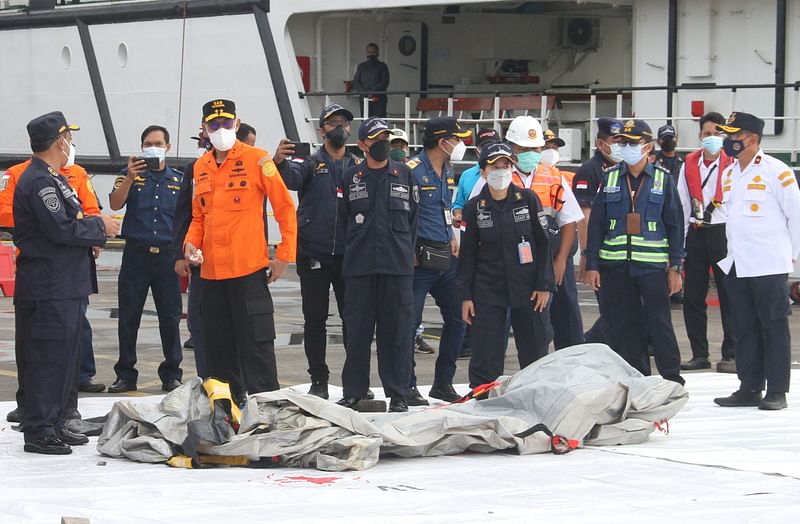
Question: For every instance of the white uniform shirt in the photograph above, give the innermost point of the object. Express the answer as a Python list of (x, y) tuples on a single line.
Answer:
[(570, 212), (762, 204), (709, 191)]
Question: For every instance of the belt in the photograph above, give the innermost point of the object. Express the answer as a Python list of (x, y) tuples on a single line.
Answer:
[(153, 250), (703, 225)]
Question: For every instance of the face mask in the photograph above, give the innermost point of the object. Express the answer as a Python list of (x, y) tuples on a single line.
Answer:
[(372, 58), (615, 152), (223, 139), (155, 152), (549, 157), (457, 152), (397, 154), (201, 151), (70, 156), (733, 147), (338, 137), (528, 161), (379, 151), (712, 144), (668, 145), (632, 154), (499, 179)]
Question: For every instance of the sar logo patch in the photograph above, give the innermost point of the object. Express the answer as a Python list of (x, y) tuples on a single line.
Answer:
[(118, 182), (50, 199), (268, 168)]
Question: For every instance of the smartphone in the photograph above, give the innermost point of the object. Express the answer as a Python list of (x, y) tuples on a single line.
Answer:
[(302, 149), (151, 163)]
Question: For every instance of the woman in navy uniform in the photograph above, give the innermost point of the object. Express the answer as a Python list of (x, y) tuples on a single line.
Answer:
[(503, 264), (53, 280)]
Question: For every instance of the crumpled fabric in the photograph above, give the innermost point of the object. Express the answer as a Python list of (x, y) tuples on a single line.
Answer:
[(586, 393)]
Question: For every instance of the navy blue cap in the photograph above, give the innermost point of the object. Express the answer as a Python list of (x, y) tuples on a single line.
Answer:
[(219, 108), (742, 122), (635, 129), (607, 126), (665, 131), (486, 135), (372, 128), (334, 109), (444, 127), (48, 126), (494, 152)]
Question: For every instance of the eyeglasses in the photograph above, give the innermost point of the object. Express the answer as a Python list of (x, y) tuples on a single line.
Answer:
[(337, 122), (218, 123)]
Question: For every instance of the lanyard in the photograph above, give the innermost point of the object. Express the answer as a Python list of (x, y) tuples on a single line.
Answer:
[(634, 194)]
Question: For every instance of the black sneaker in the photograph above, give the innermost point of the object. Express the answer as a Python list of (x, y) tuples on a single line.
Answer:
[(72, 438), (444, 392), (696, 363), (420, 346), (773, 402), (415, 398), (49, 445), (91, 387), (121, 386), (726, 365), (398, 405), (319, 388), (739, 398)]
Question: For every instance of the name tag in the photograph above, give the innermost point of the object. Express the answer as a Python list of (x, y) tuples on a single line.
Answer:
[(399, 191), (448, 217), (522, 214), (525, 252), (485, 219), (611, 189), (358, 191)]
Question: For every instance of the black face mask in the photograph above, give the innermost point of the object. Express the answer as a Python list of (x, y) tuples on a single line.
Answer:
[(372, 58), (733, 147), (338, 137), (668, 145), (379, 151)]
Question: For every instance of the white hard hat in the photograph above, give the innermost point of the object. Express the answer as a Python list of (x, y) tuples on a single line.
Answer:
[(398, 134), (525, 131)]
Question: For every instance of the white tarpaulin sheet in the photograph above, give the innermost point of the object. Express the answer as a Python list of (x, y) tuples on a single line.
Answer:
[(716, 465)]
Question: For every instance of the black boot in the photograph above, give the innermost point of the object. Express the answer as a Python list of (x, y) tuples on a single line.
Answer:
[(444, 392), (319, 388), (739, 398), (415, 398)]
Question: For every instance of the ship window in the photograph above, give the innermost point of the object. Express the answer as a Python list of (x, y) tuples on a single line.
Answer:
[(407, 45), (66, 57), (122, 54)]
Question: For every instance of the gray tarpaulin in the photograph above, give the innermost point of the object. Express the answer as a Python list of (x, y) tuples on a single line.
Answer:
[(585, 392)]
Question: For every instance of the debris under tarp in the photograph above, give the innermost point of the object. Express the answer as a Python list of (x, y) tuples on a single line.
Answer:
[(580, 395)]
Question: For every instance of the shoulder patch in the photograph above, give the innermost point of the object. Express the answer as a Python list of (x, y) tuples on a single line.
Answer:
[(414, 162), (4, 182), (268, 168)]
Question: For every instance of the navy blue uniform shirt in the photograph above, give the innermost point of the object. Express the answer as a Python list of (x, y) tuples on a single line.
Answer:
[(380, 220), (320, 228), (587, 181), (150, 207), (434, 198), (53, 236)]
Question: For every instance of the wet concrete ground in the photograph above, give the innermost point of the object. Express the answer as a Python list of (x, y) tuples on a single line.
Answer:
[(289, 344)]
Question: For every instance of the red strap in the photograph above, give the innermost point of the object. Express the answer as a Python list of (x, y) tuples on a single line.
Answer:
[(693, 175)]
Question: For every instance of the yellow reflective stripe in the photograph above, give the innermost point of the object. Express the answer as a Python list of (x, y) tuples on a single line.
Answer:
[(613, 255), (613, 178), (649, 257), (651, 226), (616, 241), (784, 175), (641, 242), (788, 182), (612, 224), (659, 177)]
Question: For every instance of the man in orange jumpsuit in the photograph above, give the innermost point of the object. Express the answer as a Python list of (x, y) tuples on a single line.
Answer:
[(78, 180), (226, 236)]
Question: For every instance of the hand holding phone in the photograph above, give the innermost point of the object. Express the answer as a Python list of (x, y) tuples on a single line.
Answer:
[(151, 163), (301, 149)]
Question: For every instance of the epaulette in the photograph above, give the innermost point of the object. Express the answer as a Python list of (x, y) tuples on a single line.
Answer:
[(414, 162)]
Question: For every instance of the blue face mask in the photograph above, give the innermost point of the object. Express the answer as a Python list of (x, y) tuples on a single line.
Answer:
[(528, 161), (632, 154), (712, 144), (616, 153)]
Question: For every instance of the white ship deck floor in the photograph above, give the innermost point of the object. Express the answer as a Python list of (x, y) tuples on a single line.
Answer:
[(716, 465)]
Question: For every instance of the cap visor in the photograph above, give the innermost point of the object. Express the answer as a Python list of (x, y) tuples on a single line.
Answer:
[(559, 141), (728, 129), (463, 134), (496, 158), (629, 137), (71, 127), (378, 133)]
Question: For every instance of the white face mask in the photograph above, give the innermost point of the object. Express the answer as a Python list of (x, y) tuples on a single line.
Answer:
[(155, 152), (458, 151), (201, 151), (549, 157), (70, 156), (499, 179), (222, 139)]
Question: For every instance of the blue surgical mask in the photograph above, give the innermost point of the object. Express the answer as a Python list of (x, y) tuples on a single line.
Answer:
[(632, 153), (528, 161), (712, 144)]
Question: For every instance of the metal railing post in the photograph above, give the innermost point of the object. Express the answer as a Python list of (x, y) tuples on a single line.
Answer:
[(619, 105), (593, 122), (544, 111), (407, 119), (673, 118), (450, 104), (794, 123), (496, 117), (365, 106)]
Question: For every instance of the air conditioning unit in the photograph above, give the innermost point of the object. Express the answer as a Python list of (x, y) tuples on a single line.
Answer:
[(579, 33)]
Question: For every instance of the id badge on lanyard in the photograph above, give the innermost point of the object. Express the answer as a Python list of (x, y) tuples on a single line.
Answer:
[(524, 251), (448, 217)]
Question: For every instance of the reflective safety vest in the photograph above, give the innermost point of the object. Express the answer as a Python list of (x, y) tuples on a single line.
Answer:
[(546, 183), (651, 247)]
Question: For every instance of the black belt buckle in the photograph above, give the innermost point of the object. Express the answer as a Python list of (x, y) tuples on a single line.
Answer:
[(154, 250)]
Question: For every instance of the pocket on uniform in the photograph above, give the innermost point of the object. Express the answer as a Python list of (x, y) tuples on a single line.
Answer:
[(238, 195), (260, 311), (399, 210), (305, 216), (754, 203)]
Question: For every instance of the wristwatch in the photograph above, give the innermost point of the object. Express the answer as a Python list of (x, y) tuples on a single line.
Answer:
[(676, 268)]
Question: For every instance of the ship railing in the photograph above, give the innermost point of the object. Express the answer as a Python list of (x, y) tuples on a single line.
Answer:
[(498, 107)]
